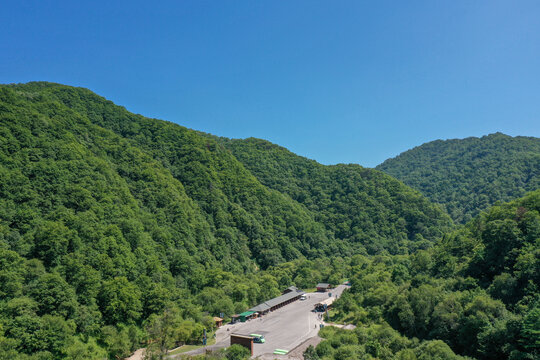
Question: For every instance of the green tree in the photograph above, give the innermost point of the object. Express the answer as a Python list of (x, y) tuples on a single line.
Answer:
[(53, 295), (84, 350), (435, 350), (237, 352), (52, 240), (530, 331), (116, 343), (163, 332), (120, 301), (8, 347), (55, 334), (310, 353)]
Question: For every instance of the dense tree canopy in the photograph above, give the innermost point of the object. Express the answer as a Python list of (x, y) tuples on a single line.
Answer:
[(118, 231), (107, 219), (469, 175), (359, 205), (476, 293)]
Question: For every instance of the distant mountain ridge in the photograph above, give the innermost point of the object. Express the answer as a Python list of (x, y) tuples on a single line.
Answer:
[(469, 175)]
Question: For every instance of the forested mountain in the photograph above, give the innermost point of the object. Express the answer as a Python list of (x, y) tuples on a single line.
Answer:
[(471, 174), (112, 224), (119, 231), (359, 205), (476, 293)]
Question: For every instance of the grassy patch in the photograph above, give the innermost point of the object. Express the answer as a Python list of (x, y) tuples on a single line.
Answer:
[(186, 348)]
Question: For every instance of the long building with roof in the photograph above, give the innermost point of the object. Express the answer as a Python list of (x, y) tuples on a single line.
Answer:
[(291, 295)]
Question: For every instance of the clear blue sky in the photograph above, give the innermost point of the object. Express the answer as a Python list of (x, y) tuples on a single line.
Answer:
[(336, 81)]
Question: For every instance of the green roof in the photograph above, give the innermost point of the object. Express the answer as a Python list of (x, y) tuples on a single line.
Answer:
[(246, 313)]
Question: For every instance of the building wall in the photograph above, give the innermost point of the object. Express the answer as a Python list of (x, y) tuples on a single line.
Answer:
[(246, 342)]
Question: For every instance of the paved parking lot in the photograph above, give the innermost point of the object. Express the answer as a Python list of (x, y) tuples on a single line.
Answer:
[(284, 328)]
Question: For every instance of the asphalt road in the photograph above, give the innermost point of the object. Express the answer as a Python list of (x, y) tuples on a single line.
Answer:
[(284, 328)]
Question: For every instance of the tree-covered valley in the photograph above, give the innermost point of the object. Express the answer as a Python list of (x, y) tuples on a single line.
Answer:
[(119, 231), (354, 203)]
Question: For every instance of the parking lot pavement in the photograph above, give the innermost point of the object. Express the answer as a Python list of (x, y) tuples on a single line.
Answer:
[(284, 328)]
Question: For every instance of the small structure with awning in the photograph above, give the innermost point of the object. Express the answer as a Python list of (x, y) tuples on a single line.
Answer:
[(246, 315), (218, 321), (322, 287)]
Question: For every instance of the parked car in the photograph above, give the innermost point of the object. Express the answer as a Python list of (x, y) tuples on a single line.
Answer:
[(258, 338)]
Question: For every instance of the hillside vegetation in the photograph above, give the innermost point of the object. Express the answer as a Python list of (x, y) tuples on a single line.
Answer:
[(360, 205), (117, 230), (476, 293), (469, 175)]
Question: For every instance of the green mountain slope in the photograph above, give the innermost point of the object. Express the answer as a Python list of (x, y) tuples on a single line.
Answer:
[(244, 218), (476, 293), (100, 232), (362, 206), (469, 175), (113, 224)]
